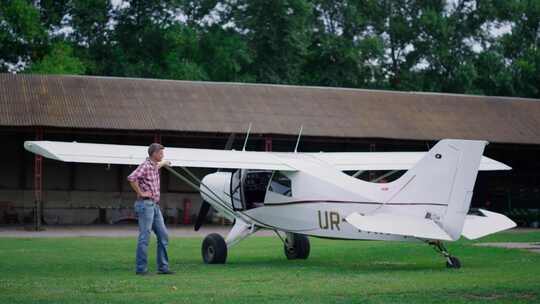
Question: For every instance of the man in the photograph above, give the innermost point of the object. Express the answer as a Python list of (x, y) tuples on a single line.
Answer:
[(145, 182)]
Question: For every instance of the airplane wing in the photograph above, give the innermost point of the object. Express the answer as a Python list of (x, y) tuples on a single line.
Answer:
[(134, 155), (398, 225), (489, 222), (345, 161), (211, 158)]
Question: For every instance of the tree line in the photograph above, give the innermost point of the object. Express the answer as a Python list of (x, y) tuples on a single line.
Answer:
[(488, 47)]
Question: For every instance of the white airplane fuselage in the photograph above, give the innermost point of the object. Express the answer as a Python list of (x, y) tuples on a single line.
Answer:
[(307, 194), (315, 210)]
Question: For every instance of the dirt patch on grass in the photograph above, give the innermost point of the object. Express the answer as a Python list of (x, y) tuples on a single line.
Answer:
[(499, 296), (534, 247)]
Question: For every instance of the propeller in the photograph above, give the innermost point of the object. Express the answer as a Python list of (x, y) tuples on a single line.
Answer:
[(205, 206)]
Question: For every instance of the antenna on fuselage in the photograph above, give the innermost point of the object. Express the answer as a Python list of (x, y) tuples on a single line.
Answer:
[(298, 139), (247, 136)]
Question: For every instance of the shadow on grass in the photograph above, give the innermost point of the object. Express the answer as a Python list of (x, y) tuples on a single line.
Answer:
[(357, 265)]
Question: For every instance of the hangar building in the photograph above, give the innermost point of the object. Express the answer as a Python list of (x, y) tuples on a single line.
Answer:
[(205, 114)]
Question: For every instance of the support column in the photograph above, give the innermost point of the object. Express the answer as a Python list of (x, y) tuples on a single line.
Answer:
[(157, 137), (22, 169), (38, 185), (268, 143)]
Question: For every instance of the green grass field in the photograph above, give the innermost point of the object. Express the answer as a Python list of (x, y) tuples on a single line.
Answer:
[(100, 270)]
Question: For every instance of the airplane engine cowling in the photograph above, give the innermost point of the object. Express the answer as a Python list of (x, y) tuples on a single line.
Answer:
[(215, 190)]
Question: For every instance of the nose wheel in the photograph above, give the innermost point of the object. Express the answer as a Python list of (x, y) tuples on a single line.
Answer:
[(214, 249)]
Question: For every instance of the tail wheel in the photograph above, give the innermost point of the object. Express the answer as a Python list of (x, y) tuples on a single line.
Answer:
[(296, 247), (453, 262), (214, 249)]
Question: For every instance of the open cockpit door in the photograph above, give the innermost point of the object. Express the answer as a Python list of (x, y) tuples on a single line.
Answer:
[(237, 192), (248, 188)]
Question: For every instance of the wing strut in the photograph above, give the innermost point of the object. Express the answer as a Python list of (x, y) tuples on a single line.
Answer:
[(247, 137), (298, 140)]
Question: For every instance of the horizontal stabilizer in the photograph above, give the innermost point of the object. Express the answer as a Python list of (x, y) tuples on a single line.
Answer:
[(399, 225), (490, 222)]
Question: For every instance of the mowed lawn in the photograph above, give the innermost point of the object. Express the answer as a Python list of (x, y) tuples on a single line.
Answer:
[(101, 270)]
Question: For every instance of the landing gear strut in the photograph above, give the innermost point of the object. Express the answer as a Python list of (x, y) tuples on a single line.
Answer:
[(451, 261)]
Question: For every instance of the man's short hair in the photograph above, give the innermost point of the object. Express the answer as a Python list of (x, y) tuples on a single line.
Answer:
[(154, 147)]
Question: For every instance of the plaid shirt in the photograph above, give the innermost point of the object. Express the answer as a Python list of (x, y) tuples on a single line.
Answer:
[(147, 176)]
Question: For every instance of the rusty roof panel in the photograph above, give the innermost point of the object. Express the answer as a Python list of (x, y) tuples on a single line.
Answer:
[(145, 104)]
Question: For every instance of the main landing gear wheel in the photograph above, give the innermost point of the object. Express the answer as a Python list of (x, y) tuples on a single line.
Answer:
[(451, 261), (296, 246), (214, 249)]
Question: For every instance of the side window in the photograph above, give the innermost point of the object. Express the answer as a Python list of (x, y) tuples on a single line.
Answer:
[(280, 184)]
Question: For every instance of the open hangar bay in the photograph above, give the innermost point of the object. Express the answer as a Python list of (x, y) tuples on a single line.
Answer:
[(205, 114)]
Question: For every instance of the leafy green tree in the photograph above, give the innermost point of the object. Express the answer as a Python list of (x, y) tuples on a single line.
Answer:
[(446, 45), (149, 41), (521, 47), (21, 33), (180, 46), (195, 11), (341, 53), (278, 35), (395, 23), (52, 13), (437, 45), (60, 60), (90, 20), (493, 75), (91, 23), (224, 55)]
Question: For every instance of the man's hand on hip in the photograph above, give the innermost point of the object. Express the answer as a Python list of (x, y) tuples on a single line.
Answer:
[(145, 194)]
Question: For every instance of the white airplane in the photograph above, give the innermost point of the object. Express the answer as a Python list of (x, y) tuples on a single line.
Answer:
[(307, 194)]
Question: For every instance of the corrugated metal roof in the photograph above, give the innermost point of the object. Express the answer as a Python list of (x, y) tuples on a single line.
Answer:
[(146, 104)]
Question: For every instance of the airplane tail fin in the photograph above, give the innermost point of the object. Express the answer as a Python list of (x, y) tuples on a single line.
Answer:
[(445, 176)]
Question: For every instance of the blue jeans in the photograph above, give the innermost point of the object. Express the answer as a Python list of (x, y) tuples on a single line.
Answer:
[(150, 218)]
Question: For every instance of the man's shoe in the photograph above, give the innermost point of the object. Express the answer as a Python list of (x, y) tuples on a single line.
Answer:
[(141, 273), (165, 272)]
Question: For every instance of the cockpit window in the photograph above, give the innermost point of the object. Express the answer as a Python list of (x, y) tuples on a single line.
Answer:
[(280, 184)]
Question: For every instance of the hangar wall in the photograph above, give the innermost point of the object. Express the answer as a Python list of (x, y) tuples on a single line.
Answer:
[(77, 193), (202, 115), (95, 193)]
